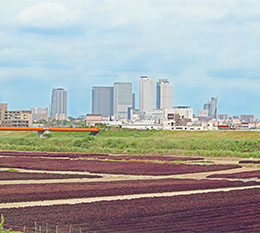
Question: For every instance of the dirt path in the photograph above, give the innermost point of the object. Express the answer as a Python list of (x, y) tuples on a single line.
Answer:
[(76, 180), (115, 177), (115, 198)]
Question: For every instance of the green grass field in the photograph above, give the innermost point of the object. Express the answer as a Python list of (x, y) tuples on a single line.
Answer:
[(206, 143)]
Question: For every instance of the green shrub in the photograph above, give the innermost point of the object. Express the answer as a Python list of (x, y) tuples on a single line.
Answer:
[(2, 226)]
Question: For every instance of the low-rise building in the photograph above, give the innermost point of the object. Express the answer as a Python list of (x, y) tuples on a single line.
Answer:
[(92, 119), (17, 118), (184, 112), (21, 118), (59, 117), (248, 118), (39, 114)]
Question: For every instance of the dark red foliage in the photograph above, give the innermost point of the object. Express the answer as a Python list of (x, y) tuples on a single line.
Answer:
[(36, 192), (100, 156), (5, 175), (152, 157), (234, 211), (132, 168), (250, 161), (48, 154), (239, 175)]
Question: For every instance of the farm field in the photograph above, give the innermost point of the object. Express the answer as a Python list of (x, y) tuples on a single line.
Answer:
[(130, 181), (96, 156), (208, 212), (38, 192), (110, 167)]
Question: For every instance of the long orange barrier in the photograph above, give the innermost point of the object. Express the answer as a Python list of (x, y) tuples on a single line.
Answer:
[(42, 129)]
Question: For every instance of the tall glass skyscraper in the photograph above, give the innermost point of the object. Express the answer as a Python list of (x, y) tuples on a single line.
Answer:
[(164, 94), (59, 104), (146, 93), (211, 107), (102, 101), (213, 110), (122, 99)]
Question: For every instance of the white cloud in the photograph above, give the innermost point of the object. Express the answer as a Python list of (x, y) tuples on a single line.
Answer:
[(198, 45), (47, 15)]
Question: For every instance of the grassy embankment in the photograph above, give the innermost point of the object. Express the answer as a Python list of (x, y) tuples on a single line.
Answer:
[(215, 143)]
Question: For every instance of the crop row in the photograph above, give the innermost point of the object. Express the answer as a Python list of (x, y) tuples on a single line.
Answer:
[(239, 175), (153, 157), (133, 168), (234, 211), (249, 162), (36, 192), (48, 154), (100, 156), (6, 175)]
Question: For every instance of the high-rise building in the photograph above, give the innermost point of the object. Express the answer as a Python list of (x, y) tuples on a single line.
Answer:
[(213, 110), (164, 94), (133, 101), (211, 107), (59, 104), (102, 101), (146, 93), (122, 99), (206, 106)]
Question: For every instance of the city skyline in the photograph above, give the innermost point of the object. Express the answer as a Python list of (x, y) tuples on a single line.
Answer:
[(211, 51), (120, 104), (212, 112)]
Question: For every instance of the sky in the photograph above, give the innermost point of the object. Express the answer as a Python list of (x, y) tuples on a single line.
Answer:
[(204, 47)]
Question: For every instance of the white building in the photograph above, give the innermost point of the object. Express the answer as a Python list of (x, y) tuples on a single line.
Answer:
[(152, 115), (183, 111), (164, 94), (146, 93), (40, 114), (59, 117), (122, 100), (143, 125), (203, 113)]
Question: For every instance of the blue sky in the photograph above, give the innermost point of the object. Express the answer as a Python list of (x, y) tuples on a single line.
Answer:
[(204, 47)]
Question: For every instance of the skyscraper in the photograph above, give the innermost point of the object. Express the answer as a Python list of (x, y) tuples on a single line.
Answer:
[(102, 101), (213, 110), (133, 101), (164, 94), (146, 93), (211, 107), (206, 106), (59, 104), (122, 99)]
